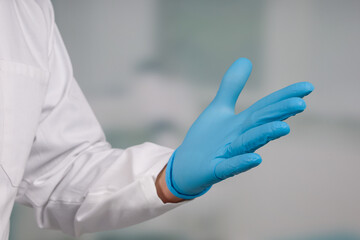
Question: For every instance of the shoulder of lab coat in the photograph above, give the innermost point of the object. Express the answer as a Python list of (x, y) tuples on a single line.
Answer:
[(64, 168), (25, 29)]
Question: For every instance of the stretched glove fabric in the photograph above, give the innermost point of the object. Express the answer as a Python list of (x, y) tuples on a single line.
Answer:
[(221, 144)]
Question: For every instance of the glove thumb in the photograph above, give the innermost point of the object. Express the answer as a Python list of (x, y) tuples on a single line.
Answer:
[(233, 82)]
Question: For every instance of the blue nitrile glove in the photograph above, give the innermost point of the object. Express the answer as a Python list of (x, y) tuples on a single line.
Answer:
[(220, 143)]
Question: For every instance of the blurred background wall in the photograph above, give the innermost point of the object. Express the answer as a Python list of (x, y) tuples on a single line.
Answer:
[(149, 67)]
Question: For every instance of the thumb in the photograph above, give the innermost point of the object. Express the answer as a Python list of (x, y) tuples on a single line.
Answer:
[(229, 167), (233, 82)]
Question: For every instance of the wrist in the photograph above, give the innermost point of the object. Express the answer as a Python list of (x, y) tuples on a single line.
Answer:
[(163, 191), (171, 185)]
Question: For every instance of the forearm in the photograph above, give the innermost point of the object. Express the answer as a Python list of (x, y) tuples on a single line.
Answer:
[(97, 184)]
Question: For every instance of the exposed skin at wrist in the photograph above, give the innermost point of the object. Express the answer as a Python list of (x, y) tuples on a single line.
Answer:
[(162, 190)]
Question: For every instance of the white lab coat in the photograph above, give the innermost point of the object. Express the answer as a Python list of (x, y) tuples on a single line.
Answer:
[(53, 153)]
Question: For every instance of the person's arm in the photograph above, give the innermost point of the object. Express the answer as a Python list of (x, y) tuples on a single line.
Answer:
[(74, 179)]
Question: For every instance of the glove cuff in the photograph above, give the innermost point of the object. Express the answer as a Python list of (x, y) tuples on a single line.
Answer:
[(172, 186)]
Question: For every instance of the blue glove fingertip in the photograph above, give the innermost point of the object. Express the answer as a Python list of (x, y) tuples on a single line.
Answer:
[(255, 159), (310, 87), (281, 128), (297, 104), (307, 87)]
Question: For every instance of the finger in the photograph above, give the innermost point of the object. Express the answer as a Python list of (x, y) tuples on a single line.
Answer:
[(229, 167), (233, 82), (255, 138), (300, 89), (276, 112)]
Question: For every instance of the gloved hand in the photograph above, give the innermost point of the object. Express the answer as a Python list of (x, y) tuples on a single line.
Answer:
[(221, 144)]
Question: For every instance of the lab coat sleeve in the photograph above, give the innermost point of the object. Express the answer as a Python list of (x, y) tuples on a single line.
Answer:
[(74, 179)]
